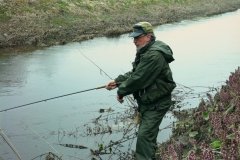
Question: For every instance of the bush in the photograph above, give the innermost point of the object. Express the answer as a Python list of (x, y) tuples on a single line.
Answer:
[(211, 131)]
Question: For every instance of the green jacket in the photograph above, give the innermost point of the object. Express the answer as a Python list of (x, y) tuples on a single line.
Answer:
[(150, 80)]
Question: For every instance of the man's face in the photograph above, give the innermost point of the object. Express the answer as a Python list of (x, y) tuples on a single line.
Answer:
[(142, 40)]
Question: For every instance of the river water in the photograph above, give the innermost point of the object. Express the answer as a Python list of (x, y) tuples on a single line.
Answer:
[(206, 51)]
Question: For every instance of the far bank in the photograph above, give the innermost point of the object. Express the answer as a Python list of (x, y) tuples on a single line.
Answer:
[(39, 24)]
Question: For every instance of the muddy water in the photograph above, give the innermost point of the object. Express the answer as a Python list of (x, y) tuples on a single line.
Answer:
[(206, 51)]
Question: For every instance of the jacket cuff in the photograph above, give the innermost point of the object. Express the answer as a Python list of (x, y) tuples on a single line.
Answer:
[(120, 95)]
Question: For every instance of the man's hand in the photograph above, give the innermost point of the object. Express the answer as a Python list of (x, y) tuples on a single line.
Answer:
[(111, 85), (120, 99)]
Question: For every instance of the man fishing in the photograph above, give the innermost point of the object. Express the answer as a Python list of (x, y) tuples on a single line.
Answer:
[(151, 83)]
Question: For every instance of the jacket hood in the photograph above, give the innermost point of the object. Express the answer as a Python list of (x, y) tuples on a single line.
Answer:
[(163, 48)]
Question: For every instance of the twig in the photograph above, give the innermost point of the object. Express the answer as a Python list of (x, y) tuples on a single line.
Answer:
[(5, 138), (49, 155)]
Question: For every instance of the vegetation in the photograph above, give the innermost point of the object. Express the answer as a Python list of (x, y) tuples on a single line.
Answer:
[(212, 130), (50, 22)]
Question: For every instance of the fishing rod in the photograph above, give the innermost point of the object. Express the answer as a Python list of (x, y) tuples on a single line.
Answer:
[(44, 100)]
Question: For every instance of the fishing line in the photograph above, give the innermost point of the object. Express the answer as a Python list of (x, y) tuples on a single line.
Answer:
[(27, 127), (95, 65), (101, 70)]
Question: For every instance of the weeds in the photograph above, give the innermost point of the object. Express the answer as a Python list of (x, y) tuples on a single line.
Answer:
[(212, 130)]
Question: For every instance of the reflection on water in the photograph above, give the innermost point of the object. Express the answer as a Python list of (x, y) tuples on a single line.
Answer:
[(206, 51)]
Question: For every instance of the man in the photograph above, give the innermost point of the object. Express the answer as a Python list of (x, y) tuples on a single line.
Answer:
[(151, 84)]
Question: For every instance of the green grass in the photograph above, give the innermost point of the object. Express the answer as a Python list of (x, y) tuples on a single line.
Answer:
[(3, 14), (65, 13), (83, 5), (4, 18), (65, 20)]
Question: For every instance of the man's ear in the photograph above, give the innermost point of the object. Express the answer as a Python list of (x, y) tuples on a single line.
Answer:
[(149, 35)]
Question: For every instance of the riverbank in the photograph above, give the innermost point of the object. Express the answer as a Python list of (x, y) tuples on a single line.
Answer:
[(32, 23), (210, 131)]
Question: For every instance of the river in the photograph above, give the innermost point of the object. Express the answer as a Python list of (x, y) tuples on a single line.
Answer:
[(206, 50)]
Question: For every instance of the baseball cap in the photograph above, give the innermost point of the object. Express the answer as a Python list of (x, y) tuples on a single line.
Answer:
[(141, 28)]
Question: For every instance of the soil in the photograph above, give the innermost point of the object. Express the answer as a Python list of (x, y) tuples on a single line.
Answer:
[(36, 30)]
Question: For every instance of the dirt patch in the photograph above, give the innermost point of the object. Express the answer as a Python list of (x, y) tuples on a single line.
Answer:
[(53, 26)]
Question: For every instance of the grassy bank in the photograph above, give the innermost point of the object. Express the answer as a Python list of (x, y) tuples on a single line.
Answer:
[(50, 22), (212, 130)]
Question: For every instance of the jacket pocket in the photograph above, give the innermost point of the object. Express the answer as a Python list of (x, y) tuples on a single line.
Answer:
[(156, 91)]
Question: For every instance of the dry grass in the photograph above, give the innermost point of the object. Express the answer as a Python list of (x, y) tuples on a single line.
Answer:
[(49, 22)]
